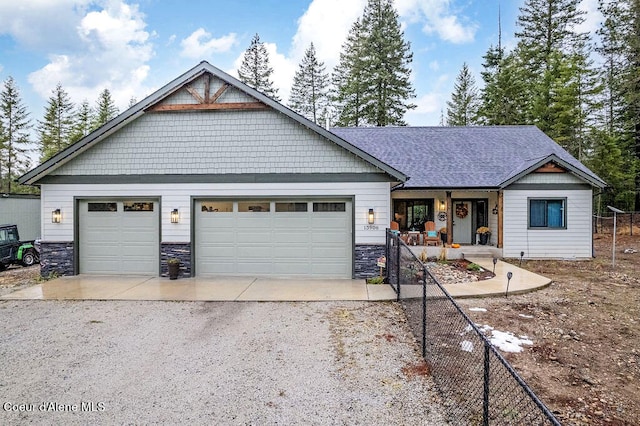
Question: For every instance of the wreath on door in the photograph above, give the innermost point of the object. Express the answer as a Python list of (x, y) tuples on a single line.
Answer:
[(461, 210)]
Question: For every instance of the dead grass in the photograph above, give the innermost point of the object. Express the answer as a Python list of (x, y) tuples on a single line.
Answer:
[(585, 361)]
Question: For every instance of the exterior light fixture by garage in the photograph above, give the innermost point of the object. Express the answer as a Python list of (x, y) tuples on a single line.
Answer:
[(175, 216), (442, 205), (371, 218), (56, 216)]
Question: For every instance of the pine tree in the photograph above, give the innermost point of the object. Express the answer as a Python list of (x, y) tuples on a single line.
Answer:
[(255, 70), (83, 122), (620, 48), (15, 125), (373, 76), (105, 109), (555, 61), (347, 78), (56, 129), (309, 93), (463, 107), (503, 99)]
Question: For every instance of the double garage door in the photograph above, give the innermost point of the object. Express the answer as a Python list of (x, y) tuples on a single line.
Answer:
[(274, 238), (243, 237)]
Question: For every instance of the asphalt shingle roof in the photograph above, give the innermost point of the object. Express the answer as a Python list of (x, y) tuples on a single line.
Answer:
[(458, 157)]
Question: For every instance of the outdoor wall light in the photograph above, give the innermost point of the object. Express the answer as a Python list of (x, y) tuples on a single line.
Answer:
[(175, 216), (56, 216), (443, 206), (371, 218)]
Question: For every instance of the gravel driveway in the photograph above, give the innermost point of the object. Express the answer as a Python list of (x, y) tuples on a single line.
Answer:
[(211, 363)]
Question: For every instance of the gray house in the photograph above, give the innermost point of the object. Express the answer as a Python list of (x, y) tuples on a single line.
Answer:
[(211, 171)]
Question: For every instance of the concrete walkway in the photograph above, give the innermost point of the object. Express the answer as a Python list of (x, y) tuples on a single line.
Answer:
[(107, 287), (522, 281)]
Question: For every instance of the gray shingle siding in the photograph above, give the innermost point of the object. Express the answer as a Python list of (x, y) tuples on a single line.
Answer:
[(259, 141)]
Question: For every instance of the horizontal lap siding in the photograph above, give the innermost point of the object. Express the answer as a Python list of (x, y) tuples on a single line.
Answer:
[(178, 196), (573, 242)]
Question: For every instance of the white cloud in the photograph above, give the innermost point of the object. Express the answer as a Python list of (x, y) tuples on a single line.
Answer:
[(113, 49), (38, 24), (200, 45), (437, 17), (326, 23)]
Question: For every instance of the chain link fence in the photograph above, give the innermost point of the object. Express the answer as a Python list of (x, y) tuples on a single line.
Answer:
[(627, 223), (478, 386)]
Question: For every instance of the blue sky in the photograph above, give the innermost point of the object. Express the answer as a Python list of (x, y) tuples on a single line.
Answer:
[(133, 47)]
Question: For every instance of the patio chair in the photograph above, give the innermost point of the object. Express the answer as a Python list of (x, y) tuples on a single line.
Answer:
[(431, 236)]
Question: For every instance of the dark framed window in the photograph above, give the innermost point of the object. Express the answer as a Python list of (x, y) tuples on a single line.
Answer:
[(103, 207), (411, 214), (329, 207), (291, 207), (130, 206), (547, 213)]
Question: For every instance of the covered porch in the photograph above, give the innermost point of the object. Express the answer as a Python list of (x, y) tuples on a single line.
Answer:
[(458, 215)]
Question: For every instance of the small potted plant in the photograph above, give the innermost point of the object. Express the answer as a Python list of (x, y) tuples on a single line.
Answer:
[(484, 233), (174, 268)]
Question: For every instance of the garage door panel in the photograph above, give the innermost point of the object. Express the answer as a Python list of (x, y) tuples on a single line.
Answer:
[(291, 268), (254, 268), (293, 237), (274, 242), (293, 251), (292, 221)]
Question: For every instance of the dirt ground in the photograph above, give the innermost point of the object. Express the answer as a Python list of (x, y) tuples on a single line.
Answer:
[(17, 277), (584, 363)]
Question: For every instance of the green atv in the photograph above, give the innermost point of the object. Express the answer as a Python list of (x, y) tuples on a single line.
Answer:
[(16, 252)]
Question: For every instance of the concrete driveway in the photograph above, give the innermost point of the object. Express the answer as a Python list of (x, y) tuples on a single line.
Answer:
[(109, 287)]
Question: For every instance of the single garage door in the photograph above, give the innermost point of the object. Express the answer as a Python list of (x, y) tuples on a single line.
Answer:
[(274, 238), (119, 237)]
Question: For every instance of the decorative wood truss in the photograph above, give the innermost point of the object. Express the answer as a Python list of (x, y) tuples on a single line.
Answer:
[(208, 102), (550, 168)]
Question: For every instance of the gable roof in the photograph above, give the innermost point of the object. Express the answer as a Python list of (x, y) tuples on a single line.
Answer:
[(139, 109), (490, 157)]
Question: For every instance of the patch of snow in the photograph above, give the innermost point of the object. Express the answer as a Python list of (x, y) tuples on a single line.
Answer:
[(505, 340), (466, 346), (477, 309)]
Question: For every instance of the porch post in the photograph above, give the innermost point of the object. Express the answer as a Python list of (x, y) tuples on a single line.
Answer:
[(449, 219), (500, 217)]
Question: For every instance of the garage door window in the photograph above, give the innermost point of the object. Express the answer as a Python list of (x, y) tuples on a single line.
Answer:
[(329, 207), (254, 206), (217, 206), (138, 207), (291, 207), (102, 207)]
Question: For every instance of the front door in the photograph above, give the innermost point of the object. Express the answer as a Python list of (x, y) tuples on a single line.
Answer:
[(462, 222)]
